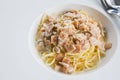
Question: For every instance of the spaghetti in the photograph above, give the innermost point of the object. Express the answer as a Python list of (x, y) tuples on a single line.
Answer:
[(71, 42)]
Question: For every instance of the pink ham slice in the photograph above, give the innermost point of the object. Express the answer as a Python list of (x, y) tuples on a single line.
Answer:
[(63, 35), (57, 67), (77, 50), (108, 45), (59, 57), (69, 47), (86, 46), (54, 39), (66, 60), (68, 29), (66, 68)]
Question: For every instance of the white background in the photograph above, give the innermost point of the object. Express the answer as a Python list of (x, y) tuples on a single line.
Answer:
[(16, 61)]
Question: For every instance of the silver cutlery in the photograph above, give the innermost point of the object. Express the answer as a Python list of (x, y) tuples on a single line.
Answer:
[(109, 9), (113, 3)]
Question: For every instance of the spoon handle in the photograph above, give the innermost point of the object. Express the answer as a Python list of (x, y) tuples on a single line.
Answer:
[(117, 7), (118, 14)]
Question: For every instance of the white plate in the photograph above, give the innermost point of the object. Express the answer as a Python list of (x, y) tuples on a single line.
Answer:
[(98, 15)]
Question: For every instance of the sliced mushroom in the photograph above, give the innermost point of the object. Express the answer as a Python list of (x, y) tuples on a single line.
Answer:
[(56, 49)]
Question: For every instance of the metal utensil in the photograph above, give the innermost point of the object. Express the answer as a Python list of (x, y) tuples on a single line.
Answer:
[(113, 3), (109, 9)]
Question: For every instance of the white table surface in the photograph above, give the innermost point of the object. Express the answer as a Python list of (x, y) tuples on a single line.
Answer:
[(16, 61)]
